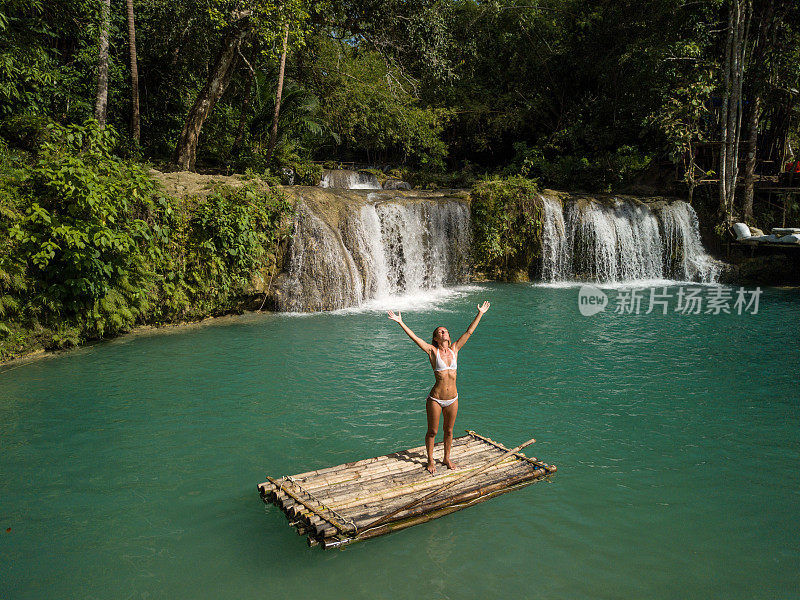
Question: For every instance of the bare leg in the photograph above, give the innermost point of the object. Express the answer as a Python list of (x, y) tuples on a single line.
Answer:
[(434, 410), (450, 413)]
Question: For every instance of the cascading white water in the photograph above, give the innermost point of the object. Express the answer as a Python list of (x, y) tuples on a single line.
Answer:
[(554, 246), (377, 250), (684, 254), (625, 241), (321, 270), (350, 248), (349, 180)]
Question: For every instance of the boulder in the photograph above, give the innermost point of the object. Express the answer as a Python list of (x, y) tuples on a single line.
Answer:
[(396, 184)]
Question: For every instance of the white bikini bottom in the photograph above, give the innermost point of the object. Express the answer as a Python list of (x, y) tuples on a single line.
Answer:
[(443, 403)]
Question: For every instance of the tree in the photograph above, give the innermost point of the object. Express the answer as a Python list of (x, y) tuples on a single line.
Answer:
[(217, 82), (739, 14), (101, 103), (273, 133), (134, 74), (253, 24)]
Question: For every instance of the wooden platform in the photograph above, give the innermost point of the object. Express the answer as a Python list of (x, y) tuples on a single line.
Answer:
[(348, 503)]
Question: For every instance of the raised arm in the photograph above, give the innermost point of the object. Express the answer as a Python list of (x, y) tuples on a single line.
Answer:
[(417, 340), (482, 308)]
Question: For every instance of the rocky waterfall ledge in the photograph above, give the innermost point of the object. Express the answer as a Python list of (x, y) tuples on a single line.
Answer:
[(352, 246)]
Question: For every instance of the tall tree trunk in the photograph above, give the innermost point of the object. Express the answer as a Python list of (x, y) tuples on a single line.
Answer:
[(101, 103), (750, 167), (726, 101), (731, 118), (134, 74), (761, 73), (248, 88), (217, 82), (273, 132), (741, 62)]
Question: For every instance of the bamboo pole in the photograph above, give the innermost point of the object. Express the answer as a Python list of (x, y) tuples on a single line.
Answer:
[(370, 465), (403, 470), (396, 498), (417, 476), (531, 459), (329, 543), (373, 471), (403, 487), (363, 513), (363, 521), (385, 518), (461, 439), (379, 503), (333, 521)]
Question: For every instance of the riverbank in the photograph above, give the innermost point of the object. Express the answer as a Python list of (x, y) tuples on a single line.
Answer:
[(138, 331), (94, 245), (174, 248)]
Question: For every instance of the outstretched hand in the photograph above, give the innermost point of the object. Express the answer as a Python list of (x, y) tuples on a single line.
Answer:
[(482, 308), (395, 317)]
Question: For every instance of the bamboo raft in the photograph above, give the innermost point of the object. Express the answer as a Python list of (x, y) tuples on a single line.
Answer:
[(359, 500)]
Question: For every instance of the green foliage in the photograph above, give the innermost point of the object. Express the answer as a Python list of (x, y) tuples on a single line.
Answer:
[(604, 172), (371, 108), (211, 247), (683, 113), (91, 247), (434, 180), (506, 227), (79, 235), (306, 172), (43, 52)]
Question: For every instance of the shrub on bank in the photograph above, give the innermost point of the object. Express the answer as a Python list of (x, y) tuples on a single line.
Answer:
[(91, 246), (506, 227)]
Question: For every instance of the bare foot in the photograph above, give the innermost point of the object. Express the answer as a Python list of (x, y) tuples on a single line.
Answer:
[(431, 468), (450, 464)]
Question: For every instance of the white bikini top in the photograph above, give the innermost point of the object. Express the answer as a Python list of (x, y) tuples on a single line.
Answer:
[(442, 366)]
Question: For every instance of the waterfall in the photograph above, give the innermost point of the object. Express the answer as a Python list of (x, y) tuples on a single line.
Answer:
[(349, 180), (684, 255), (375, 250), (322, 273), (622, 241), (352, 247)]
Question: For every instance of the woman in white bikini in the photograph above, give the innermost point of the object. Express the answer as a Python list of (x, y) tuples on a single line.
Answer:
[(443, 398)]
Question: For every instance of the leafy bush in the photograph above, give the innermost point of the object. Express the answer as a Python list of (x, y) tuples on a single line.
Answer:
[(211, 247), (79, 234), (91, 246), (306, 172), (506, 226), (602, 172)]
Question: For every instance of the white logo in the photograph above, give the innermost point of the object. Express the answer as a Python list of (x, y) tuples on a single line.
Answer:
[(591, 300)]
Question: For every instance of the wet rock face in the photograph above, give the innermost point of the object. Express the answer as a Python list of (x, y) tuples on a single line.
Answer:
[(349, 248), (396, 184), (768, 269), (344, 179)]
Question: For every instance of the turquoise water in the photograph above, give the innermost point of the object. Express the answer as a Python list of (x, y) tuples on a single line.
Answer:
[(129, 468)]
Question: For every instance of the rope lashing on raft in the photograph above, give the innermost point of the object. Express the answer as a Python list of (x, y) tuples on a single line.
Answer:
[(324, 506)]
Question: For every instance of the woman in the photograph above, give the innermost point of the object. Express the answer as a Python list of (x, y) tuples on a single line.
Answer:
[(443, 398)]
